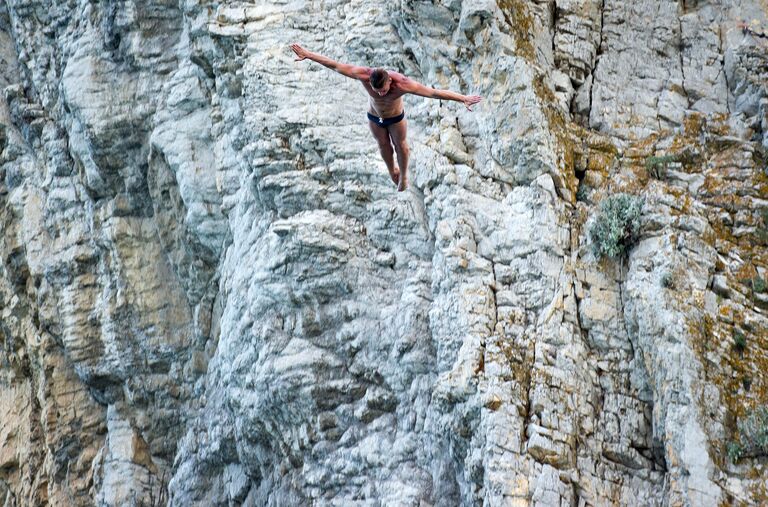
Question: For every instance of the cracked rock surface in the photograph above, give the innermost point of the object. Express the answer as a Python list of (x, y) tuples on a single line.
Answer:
[(212, 294)]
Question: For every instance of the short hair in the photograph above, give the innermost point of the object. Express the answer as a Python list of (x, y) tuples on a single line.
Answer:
[(378, 77)]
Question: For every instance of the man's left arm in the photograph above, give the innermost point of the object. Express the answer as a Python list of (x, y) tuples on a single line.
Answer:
[(416, 88)]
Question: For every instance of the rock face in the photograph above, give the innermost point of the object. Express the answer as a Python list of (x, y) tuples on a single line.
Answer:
[(212, 294)]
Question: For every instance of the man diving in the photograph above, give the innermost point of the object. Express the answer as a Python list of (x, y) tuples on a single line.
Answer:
[(386, 117)]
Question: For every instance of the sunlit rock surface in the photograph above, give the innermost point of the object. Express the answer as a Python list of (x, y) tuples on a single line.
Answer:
[(212, 294)]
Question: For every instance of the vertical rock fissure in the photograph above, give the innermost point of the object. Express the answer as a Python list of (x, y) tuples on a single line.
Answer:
[(723, 70), (597, 59), (554, 27), (494, 288), (622, 313), (681, 48)]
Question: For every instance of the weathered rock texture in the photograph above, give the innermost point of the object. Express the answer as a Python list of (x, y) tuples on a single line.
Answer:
[(211, 293)]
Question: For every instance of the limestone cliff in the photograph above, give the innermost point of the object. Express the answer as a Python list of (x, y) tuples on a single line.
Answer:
[(212, 294)]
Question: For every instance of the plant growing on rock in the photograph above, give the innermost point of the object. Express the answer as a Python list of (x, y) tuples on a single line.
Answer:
[(740, 341), (758, 284), (734, 451), (762, 230), (657, 166), (753, 435), (615, 228), (583, 192)]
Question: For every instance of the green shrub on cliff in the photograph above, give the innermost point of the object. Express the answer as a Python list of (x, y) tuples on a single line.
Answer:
[(753, 435), (754, 431), (657, 166), (615, 228)]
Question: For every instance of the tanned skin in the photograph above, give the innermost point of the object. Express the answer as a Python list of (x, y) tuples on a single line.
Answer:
[(387, 102)]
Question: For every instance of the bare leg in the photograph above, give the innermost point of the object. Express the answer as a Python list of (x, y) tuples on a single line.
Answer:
[(402, 158), (387, 153), (398, 133)]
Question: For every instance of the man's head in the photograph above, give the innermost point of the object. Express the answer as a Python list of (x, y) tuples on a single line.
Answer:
[(380, 81)]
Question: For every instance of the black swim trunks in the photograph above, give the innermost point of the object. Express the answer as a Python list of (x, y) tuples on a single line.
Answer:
[(386, 122)]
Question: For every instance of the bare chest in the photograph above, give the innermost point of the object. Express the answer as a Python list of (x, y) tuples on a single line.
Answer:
[(387, 106)]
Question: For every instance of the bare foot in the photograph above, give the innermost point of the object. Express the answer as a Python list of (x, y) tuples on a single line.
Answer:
[(395, 175), (403, 184)]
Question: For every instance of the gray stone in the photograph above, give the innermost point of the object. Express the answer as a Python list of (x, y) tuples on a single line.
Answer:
[(212, 294)]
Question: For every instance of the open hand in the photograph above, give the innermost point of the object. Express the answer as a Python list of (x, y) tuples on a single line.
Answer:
[(470, 100), (301, 53)]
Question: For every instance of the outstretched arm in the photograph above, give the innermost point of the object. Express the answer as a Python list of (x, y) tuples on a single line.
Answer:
[(342, 68), (416, 88)]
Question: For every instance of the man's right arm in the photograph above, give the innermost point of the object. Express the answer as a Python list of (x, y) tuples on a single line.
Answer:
[(351, 71)]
